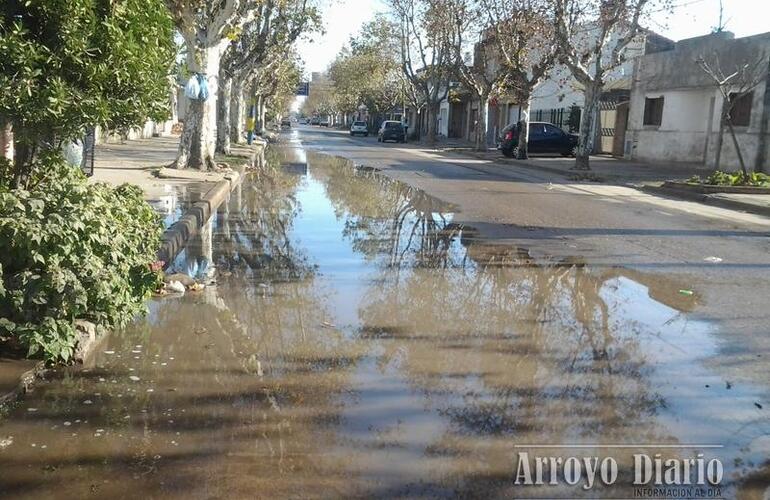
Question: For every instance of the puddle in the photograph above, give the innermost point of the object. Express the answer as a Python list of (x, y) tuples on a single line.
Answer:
[(359, 341)]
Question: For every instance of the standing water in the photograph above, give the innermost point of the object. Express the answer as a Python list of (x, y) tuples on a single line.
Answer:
[(355, 340)]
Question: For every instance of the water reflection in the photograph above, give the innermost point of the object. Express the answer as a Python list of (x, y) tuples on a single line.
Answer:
[(355, 340)]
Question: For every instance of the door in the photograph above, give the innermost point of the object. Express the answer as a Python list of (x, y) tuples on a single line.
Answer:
[(537, 138), (554, 139)]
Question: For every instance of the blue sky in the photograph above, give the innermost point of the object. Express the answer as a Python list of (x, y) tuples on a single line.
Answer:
[(343, 18)]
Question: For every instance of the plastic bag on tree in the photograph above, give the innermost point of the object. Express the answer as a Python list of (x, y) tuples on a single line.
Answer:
[(73, 153), (203, 85), (193, 88)]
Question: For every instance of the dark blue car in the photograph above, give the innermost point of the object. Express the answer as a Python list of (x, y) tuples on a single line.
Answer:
[(543, 138), (392, 131)]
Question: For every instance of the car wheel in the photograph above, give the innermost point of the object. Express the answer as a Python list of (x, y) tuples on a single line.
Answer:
[(571, 153), (366, 134), (509, 152), (379, 139)]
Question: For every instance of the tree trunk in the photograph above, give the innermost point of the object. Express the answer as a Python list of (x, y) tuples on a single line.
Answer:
[(223, 113), (738, 150), (6, 139), (432, 113), (588, 126), (262, 110), (198, 141), (720, 134), (522, 152), (481, 129), (237, 112), (762, 159)]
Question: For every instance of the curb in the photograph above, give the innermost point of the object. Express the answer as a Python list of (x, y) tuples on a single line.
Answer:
[(25, 381), (706, 199), (179, 233)]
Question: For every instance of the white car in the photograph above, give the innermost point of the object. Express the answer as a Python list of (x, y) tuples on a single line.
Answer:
[(359, 128)]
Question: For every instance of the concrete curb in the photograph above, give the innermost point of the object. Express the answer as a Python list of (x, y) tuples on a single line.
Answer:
[(706, 199), (177, 236), (25, 381)]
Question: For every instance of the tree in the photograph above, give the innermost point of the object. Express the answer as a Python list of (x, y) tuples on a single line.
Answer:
[(69, 65), (592, 37), (426, 57), (207, 28), (521, 36), (734, 85), (367, 71), (275, 27)]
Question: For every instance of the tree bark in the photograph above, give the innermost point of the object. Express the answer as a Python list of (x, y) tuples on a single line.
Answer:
[(738, 150), (720, 134), (432, 113), (522, 152), (237, 112), (261, 110), (198, 141), (761, 162), (223, 113), (588, 126), (481, 129)]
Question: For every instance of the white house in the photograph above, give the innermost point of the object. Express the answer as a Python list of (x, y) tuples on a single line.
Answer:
[(676, 106)]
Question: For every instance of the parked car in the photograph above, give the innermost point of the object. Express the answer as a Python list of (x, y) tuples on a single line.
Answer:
[(286, 123), (359, 128), (315, 120), (392, 131), (543, 138), (324, 122)]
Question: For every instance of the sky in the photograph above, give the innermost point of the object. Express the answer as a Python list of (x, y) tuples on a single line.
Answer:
[(343, 18)]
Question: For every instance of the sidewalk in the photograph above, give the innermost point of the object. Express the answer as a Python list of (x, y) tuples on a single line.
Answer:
[(645, 176)]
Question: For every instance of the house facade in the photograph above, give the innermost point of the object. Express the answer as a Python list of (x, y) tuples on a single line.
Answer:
[(676, 107)]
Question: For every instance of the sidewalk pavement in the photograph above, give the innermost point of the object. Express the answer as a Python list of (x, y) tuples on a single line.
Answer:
[(646, 176), (140, 162)]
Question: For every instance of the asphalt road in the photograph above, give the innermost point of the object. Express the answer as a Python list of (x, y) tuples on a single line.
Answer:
[(605, 226)]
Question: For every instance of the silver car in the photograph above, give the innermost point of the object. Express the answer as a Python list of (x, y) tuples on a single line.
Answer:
[(359, 128)]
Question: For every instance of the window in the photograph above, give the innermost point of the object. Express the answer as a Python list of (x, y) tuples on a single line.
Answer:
[(653, 111), (552, 131), (536, 130), (741, 109)]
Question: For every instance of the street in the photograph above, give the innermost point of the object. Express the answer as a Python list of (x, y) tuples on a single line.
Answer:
[(411, 332)]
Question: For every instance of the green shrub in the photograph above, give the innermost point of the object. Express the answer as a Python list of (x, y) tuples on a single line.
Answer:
[(719, 178), (72, 250)]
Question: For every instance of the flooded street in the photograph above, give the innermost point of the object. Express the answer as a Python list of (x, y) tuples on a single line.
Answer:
[(355, 339)]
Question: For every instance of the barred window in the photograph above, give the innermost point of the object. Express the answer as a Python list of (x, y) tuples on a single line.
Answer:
[(741, 108), (653, 111)]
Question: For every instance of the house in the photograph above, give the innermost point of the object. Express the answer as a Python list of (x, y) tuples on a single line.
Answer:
[(676, 106)]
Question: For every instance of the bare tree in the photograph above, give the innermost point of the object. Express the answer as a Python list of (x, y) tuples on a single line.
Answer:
[(522, 35), (734, 85), (426, 58), (593, 36), (207, 28)]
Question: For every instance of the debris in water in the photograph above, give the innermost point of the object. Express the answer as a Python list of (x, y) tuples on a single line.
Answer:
[(6, 442), (175, 287), (197, 287), (713, 260), (31, 409), (758, 405), (326, 324), (134, 378), (88, 402), (109, 352), (687, 292), (728, 385), (67, 424)]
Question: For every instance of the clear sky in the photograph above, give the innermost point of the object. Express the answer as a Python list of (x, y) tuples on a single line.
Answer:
[(343, 18)]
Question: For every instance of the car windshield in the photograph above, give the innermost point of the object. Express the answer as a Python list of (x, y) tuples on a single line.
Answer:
[(359, 124)]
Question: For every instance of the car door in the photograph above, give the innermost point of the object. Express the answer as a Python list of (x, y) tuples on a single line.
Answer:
[(536, 138), (553, 141)]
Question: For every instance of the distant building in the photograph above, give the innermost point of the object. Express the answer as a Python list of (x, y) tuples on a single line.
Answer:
[(675, 106)]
